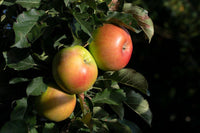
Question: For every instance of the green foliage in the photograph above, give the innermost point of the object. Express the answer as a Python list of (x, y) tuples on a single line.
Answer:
[(40, 29)]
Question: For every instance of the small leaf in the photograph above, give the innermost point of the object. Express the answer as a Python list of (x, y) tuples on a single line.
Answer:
[(15, 126), (110, 96), (100, 113), (18, 80), (19, 59), (36, 87), (20, 109), (141, 15), (1, 1), (130, 78), (25, 22), (50, 128), (137, 103), (28, 4)]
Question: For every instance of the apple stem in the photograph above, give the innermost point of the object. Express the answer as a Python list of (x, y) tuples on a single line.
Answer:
[(86, 45)]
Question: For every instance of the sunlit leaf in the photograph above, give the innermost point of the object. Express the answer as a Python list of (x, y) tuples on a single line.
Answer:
[(18, 80), (29, 3), (20, 109), (110, 96), (36, 87), (137, 103), (130, 78), (141, 15), (25, 22), (50, 128), (123, 19)]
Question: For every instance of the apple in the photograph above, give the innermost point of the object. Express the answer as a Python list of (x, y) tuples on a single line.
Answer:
[(111, 47), (74, 69), (54, 104)]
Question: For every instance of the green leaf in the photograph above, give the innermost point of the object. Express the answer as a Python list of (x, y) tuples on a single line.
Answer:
[(36, 32), (134, 128), (19, 59), (1, 1), (15, 126), (7, 2), (100, 113), (25, 23), (36, 87), (123, 19), (110, 96), (129, 77), (137, 103), (20, 109), (85, 21), (141, 15), (50, 128), (18, 80), (118, 109), (28, 4), (117, 127), (33, 130)]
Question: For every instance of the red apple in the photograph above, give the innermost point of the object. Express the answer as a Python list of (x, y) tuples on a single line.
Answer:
[(55, 104), (111, 47), (74, 69)]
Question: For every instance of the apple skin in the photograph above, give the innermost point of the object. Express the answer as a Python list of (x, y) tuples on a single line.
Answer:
[(74, 69), (111, 47), (54, 104)]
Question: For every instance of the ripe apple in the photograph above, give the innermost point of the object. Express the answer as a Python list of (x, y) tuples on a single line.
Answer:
[(54, 104), (74, 69), (111, 47)]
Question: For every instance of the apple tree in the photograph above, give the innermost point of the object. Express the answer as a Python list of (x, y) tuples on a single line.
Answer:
[(33, 31)]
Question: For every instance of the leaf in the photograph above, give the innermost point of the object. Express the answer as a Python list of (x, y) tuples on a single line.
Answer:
[(1, 1), (118, 109), (19, 59), (36, 87), (85, 21), (25, 23), (50, 128), (18, 80), (19, 110), (15, 126), (8, 2), (100, 113), (123, 19), (28, 4), (137, 103), (110, 96), (134, 128), (117, 127), (141, 15), (130, 78)]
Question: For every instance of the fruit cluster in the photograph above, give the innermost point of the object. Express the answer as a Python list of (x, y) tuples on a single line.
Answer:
[(75, 69)]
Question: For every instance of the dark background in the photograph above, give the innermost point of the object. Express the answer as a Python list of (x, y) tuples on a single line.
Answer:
[(171, 65)]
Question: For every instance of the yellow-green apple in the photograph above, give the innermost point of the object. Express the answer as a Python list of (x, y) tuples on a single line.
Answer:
[(74, 69), (111, 47), (55, 104)]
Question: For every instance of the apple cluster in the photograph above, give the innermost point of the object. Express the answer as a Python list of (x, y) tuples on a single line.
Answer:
[(75, 69)]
